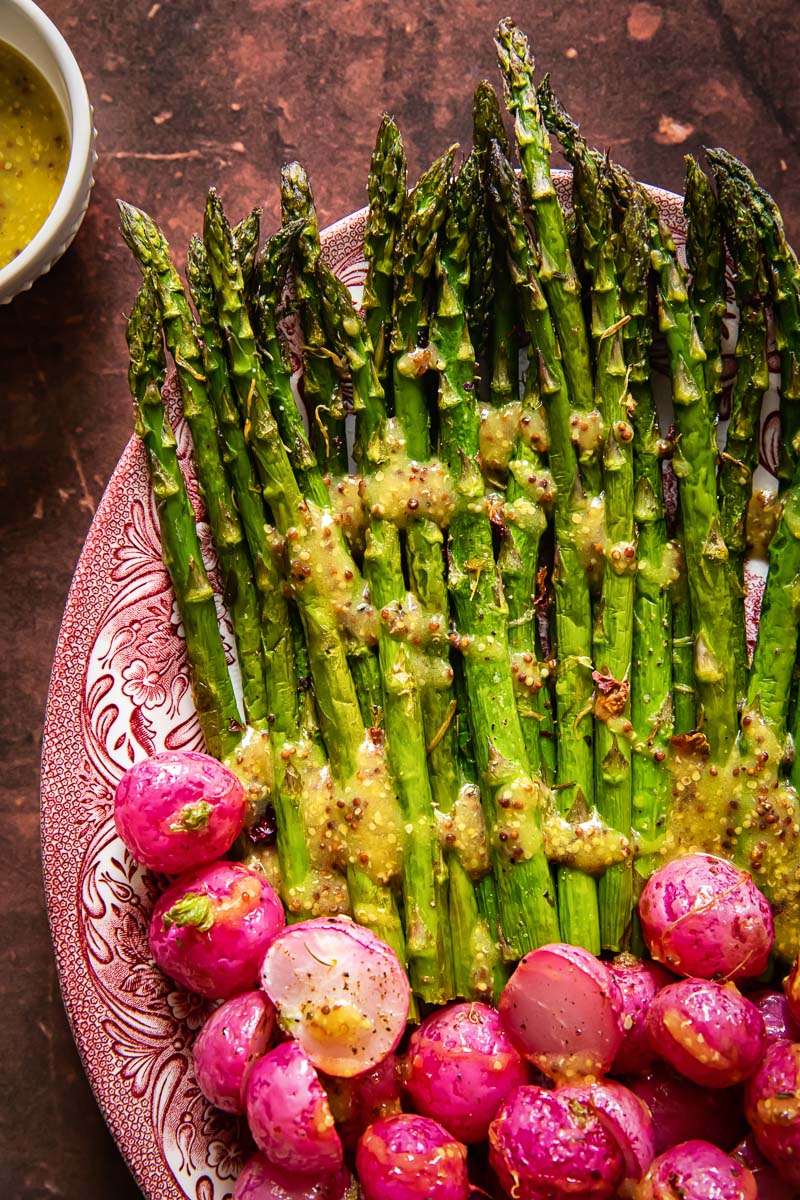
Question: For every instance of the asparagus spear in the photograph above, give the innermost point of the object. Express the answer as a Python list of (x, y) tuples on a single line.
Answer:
[(512, 798), (770, 679), (613, 632), (651, 673), (705, 549), (245, 751), (473, 970), (211, 684), (271, 276), (274, 610), (386, 188), (428, 941), (490, 313), (577, 894), (318, 569), (309, 886), (740, 458), (424, 555), (246, 236), (416, 250), (267, 289), (521, 519), (784, 279), (705, 253), (556, 271), (528, 483), (684, 690), (152, 253), (490, 271), (322, 385)]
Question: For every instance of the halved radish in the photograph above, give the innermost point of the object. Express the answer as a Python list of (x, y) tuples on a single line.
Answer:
[(563, 1009), (340, 991)]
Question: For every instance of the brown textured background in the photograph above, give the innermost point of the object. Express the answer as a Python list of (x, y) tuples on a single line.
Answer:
[(193, 92)]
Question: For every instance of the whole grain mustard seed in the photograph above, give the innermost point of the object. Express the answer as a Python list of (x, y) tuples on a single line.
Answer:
[(34, 151)]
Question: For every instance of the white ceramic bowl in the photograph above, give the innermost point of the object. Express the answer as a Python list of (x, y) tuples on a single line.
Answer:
[(28, 30)]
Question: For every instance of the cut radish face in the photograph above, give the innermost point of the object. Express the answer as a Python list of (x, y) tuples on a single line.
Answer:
[(563, 1009), (340, 991)]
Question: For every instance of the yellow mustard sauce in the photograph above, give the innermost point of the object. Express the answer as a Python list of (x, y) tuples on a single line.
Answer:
[(34, 151)]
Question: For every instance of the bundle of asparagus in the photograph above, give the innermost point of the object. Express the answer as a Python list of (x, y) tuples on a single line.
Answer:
[(489, 681)]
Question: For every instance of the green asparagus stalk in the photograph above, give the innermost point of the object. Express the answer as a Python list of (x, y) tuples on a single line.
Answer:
[(513, 800), (695, 462), (684, 690), (740, 458), (306, 892), (613, 632), (490, 312), (275, 627), (473, 967), (784, 278), (705, 253), (577, 893), (770, 679), (522, 518), (271, 276), (556, 271), (246, 237), (428, 939), (478, 906), (317, 571), (247, 752), (322, 384), (500, 321), (651, 674), (424, 551), (152, 253), (416, 250), (527, 482), (386, 189), (268, 286)]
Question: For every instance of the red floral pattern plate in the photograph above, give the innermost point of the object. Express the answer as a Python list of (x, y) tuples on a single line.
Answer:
[(118, 693)]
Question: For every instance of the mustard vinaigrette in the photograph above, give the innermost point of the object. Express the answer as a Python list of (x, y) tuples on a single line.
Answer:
[(34, 151)]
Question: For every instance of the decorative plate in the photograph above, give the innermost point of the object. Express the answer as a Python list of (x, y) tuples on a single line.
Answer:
[(120, 692)]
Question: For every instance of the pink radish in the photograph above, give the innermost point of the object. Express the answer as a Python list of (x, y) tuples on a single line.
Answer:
[(702, 916), (212, 926), (178, 810), (779, 1023), (411, 1158), (772, 1105), (543, 1145), (627, 1119), (563, 1010), (461, 1066), (708, 1031), (770, 1184), (262, 1180), (680, 1109), (697, 1171), (289, 1115), (233, 1037), (638, 983), (340, 991)]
